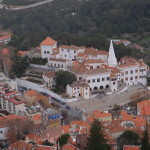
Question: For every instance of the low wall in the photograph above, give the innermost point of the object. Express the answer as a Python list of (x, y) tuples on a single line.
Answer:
[(40, 88)]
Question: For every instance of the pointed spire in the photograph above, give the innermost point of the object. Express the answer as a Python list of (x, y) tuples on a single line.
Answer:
[(112, 61)]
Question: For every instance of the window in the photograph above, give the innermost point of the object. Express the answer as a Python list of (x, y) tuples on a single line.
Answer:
[(65, 55), (136, 77), (131, 78), (62, 50), (68, 50), (91, 67), (86, 88), (114, 83), (93, 80), (107, 78), (74, 57), (88, 81), (47, 52), (126, 72), (98, 80), (131, 71), (126, 79), (74, 88), (74, 51), (78, 87), (136, 71), (103, 79), (44, 52), (98, 66)]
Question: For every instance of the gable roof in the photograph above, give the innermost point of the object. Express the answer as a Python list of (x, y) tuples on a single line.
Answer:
[(131, 147), (48, 41), (20, 145)]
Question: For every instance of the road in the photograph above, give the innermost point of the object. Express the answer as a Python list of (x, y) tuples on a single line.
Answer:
[(24, 7)]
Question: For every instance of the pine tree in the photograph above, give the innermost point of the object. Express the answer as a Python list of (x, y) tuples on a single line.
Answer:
[(96, 140), (145, 144)]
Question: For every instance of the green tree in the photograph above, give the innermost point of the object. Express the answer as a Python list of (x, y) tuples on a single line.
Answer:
[(20, 65), (128, 138), (97, 140), (63, 78), (63, 139), (145, 144), (47, 143)]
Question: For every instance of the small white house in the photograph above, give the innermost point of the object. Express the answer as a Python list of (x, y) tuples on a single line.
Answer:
[(47, 47), (78, 89), (49, 80)]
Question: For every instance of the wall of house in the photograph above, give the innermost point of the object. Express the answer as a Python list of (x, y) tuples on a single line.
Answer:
[(3, 131), (97, 84)]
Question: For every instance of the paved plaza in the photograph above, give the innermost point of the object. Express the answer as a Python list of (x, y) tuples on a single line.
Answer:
[(104, 102)]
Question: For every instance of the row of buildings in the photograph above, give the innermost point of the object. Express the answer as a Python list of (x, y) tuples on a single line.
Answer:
[(96, 70), (79, 130)]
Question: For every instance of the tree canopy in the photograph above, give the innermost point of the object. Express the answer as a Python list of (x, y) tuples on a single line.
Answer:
[(128, 138), (63, 78), (145, 141), (63, 139), (97, 140)]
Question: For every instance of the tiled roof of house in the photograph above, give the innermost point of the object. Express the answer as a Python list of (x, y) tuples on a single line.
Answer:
[(50, 74), (78, 84), (126, 65), (21, 145), (31, 93), (131, 147), (98, 114), (71, 47), (58, 60), (117, 129), (34, 137), (43, 147), (48, 41), (93, 61), (70, 147), (96, 71)]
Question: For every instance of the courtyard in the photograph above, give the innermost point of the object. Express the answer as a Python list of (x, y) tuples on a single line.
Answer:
[(104, 102)]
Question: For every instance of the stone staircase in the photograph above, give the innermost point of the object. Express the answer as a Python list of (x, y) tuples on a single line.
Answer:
[(123, 87)]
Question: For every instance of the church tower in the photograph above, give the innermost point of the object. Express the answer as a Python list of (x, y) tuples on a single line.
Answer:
[(112, 61)]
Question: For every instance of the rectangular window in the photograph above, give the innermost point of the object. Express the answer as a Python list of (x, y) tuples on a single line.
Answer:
[(93, 80), (136, 71), (74, 51), (44, 52), (47, 52), (88, 81), (62, 50), (131, 78), (114, 83), (107, 78), (68, 50), (126, 79), (91, 67), (126, 72), (136, 77), (103, 79), (98, 80), (131, 71)]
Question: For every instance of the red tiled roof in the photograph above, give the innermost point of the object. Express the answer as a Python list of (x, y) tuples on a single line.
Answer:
[(93, 61), (69, 147), (131, 147), (98, 114), (50, 74), (48, 41), (20, 145), (72, 47), (31, 93)]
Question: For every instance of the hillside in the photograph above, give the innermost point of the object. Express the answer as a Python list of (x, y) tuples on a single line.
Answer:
[(77, 22)]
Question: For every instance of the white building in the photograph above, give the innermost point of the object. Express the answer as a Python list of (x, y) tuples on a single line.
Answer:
[(49, 80), (47, 47), (79, 89), (11, 101)]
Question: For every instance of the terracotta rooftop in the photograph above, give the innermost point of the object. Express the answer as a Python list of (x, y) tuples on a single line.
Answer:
[(31, 93), (48, 41), (20, 145), (50, 74), (98, 114), (131, 147), (96, 71), (69, 147), (93, 61), (126, 65), (72, 47)]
